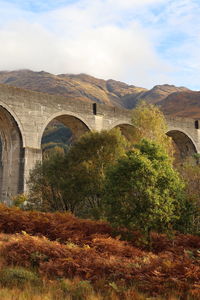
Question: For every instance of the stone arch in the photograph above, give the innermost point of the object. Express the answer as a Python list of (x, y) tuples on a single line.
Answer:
[(15, 117), (75, 122), (125, 128), (184, 144), (12, 156)]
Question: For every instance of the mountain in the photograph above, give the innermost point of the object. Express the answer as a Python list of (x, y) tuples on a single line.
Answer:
[(88, 88), (82, 86), (182, 104)]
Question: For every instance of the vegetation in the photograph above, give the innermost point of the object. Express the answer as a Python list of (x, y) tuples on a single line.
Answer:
[(143, 191), (80, 258), (44, 184), (74, 180), (17, 277), (56, 135), (190, 221), (88, 160), (149, 123), (135, 189), (148, 188)]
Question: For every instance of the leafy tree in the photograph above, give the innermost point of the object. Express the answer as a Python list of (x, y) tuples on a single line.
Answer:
[(88, 160), (143, 191), (74, 180), (45, 184), (149, 123)]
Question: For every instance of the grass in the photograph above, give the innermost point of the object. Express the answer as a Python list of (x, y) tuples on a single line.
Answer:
[(74, 291)]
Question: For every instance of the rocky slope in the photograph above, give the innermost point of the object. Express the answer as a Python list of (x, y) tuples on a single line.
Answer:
[(88, 88)]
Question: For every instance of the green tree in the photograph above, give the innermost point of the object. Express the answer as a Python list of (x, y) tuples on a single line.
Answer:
[(74, 180), (88, 160), (45, 184), (149, 123), (143, 191)]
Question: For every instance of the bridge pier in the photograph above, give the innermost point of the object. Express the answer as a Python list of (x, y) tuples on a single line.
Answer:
[(31, 157)]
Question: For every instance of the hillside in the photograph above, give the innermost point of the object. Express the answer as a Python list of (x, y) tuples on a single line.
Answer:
[(80, 86), (87, 88), (183, 104)]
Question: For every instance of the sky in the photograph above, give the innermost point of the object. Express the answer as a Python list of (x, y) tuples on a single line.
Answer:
[(140, 42)]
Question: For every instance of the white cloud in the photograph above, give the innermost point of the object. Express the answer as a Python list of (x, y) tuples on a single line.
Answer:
[(179, 40), (110, 39)]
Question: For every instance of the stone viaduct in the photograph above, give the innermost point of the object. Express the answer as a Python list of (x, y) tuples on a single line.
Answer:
[(24, 115)]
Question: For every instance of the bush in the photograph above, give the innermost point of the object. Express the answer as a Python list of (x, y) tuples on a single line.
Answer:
[(78, 290), (17, 277), (190, 216), (19, 200), (143, 191), (176, 264), (55, 226)]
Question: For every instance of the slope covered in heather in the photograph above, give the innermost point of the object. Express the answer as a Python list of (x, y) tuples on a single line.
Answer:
[(63, 246)]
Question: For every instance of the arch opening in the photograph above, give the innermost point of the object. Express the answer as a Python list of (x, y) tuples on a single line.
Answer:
[(62, 131), (11, 157), (126, 130), (183, 145)]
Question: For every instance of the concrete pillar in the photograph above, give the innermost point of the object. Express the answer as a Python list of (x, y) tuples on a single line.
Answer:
[(31, 157)]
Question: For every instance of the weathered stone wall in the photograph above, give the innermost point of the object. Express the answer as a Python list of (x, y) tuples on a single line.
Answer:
[(11, 177)]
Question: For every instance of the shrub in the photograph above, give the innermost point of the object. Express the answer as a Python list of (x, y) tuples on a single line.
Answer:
[(78, 290), (190, 216), (55, 226), (110, 263), (17, 277), (143, 191), (19, 200)]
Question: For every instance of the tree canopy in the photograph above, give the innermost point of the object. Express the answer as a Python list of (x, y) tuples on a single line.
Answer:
[(149, 123), (143, 191), (75, 180)]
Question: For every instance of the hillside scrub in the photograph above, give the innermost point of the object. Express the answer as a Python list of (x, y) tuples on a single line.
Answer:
[(63, 226), (89, 252), (18, 277), (51, 225), (190, 172)]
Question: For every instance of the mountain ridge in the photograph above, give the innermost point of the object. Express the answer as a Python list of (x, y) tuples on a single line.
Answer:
[(178, 101)]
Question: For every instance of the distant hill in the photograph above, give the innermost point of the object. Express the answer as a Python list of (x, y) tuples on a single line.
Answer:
[(182, 104), (82, 86), (88, 88)]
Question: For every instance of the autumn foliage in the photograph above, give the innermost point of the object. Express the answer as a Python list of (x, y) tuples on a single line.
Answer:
[(55, 226), (62, 246)]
